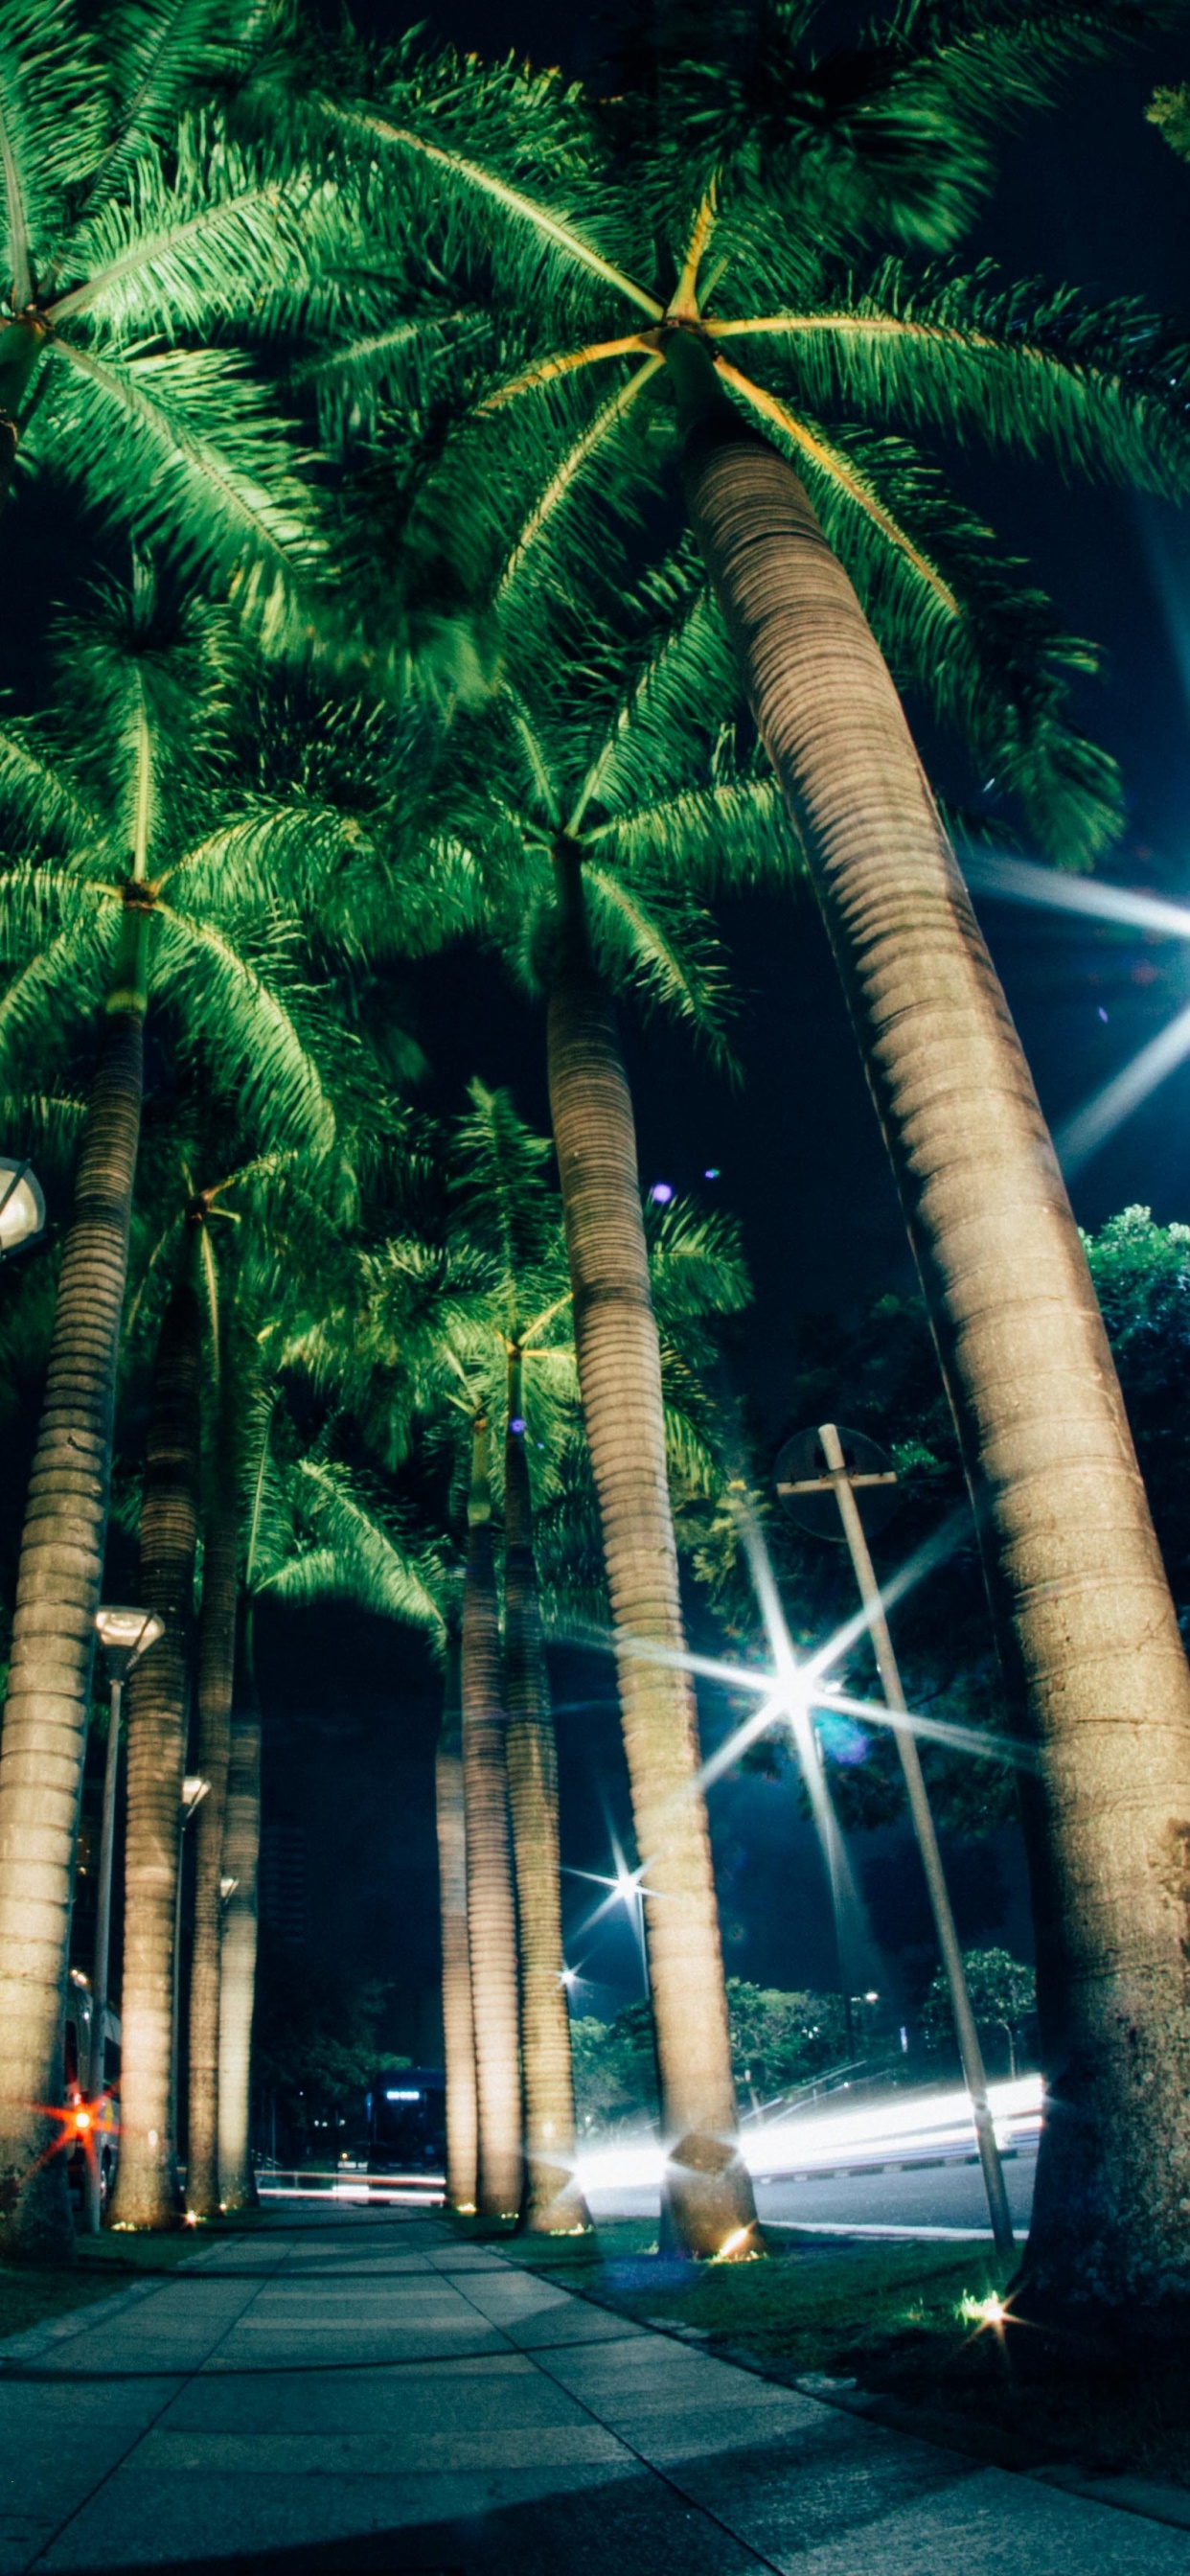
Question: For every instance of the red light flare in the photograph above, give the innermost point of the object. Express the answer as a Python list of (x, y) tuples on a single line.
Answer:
[(77, 2124)]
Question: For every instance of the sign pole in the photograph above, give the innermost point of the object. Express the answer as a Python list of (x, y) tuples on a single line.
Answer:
[(970, 2052)]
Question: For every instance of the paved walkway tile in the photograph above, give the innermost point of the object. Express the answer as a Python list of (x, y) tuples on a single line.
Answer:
[(355, 2391)]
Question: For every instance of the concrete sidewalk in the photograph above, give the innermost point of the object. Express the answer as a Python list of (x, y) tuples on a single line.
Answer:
[(360, 2391)]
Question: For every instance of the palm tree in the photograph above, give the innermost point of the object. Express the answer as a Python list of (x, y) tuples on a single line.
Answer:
[(139, 238), (565, 786), (237, 1950), (158, 1711), (313, 1530), (467, 1309), (127, 766), (491, 1890), (458, 2019), (806, 526), (508, 1211), (215, 1695)]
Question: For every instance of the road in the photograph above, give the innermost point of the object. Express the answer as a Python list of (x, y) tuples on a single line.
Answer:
[(904, 2161), (918, 2199)]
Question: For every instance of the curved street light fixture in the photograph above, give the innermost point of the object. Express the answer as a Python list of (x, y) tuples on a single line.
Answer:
[(22, 1206)]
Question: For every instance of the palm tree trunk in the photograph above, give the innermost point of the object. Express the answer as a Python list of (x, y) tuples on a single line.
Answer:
[(1095, 1670), (237, 1955), (215, 1687), (491, 1904), (553, 2203), (458, 2028), (708, 2194), (53, 1644), (157, 1699)]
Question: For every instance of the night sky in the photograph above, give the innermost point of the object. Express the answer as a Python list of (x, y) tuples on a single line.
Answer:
[(1092, 195)]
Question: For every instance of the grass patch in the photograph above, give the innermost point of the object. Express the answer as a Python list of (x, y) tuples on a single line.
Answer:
[(901, 2322)]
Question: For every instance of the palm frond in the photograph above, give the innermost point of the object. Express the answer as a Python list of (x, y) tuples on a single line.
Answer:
[(501, 1192), (1036, 369), (185, 253), (356, 1550), (182, 447), (247, 1025), (653, 932), (50, 92)]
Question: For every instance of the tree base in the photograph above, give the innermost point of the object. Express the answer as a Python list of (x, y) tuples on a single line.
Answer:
[(707, 2205), (553, 2204)]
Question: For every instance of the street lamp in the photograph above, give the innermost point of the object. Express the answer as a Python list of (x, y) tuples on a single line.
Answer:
[(194, 1790), (123, 1637), (22, 1207)]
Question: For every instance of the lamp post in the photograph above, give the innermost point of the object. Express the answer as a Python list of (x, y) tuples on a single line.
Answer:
[(824, 1449), (123, 1636), (22, 1207), (194, 1791)]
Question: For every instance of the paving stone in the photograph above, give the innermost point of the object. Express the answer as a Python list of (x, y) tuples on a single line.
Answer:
[(380, 2398)]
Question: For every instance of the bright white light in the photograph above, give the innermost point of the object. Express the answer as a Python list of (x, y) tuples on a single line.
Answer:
[(1019, 881), (1099, 1117), (904, 2126)]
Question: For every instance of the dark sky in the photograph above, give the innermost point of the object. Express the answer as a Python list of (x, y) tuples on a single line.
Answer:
[(1092, 195)]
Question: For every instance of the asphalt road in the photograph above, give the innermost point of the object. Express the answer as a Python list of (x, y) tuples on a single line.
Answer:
[(919, 2198)]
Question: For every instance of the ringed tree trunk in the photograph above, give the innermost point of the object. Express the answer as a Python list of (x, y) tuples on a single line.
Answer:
[(553, 2203), (158, 1701), (53, 1639), (491, 1903), (237, 1951), (215, 1687), (458, 2028), (1096, 1673), (707, 2194)]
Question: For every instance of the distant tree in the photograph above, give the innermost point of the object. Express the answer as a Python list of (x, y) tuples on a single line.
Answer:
[(316, 2046), (777, 2039), (1003, 1995), (615, 2075), (1169, 111)]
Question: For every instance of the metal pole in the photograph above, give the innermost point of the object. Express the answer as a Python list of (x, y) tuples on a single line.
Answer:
[(103, 1931), (177, 2005), (970, 2052)]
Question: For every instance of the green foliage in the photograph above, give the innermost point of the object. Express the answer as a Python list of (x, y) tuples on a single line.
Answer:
[(615, 2070), (141, 238), (1003, 1993), (1169, 111), (779, 2040), (1142, 1280), (568, 229), (315, 2046)]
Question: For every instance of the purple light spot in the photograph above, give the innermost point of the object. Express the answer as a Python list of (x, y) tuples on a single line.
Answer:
[(661, 1193), (516, 1426), (1103, 1014), (712, 1172)]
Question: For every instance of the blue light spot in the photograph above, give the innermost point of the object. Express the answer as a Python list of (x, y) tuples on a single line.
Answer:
[(516, 1426), (1103, 1014), (712, 1172), (661, 1193)]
